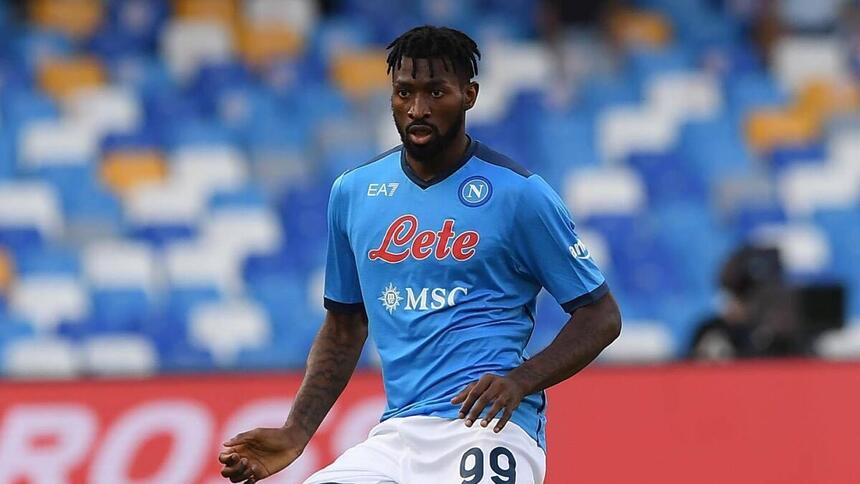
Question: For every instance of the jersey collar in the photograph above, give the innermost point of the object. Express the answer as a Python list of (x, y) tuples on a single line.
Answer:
[(425, 184)]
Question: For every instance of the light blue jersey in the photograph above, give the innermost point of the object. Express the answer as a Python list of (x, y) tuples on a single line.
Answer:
[(448, 271)]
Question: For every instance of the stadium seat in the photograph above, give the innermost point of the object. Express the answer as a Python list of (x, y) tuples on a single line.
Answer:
[(47, 300), (224, 12), (225, 328), (840, 344), (49, 142), (804, 248), (799, 59), (360, 74), (76, 18), (195, 263), (843, 146), (51, 260), (188, 44), (640, 27), (768, 129), (260, 43), (41, 358), (106, 109), (668, 178), (166, 204), (31, 206), (641, 342), (803, 189), (208, 169), (13, 329), (300, 16), (684, 95), (621, 130), (7, 270), (243, 232), (119, 355), (122, 171), (754, 90), (822, 99), (119, 264), (608, 191), (784, 157), (63, 77)]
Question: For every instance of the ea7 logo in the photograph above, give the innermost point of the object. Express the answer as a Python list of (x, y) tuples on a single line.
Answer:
[(387, 189)]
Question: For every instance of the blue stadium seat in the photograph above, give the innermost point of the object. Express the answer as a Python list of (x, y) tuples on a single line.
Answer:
[(785, 156), (121, 309), (751, 91), (715, 148), (182, 299), (248, 196), (50, 259), (669, 178), (643, 64)]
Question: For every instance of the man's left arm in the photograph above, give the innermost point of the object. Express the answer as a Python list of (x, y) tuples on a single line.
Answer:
[(589, 330)]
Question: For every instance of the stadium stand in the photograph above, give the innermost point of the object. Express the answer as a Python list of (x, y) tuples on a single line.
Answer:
[(165, 166)]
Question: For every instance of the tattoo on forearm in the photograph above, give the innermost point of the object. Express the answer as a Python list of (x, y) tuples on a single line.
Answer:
[(330, 364)]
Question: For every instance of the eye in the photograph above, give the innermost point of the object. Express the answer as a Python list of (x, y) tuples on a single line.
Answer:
[(436, 93), (403, 93)]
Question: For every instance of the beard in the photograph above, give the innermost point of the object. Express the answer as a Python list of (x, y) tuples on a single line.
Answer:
[(437, 144)]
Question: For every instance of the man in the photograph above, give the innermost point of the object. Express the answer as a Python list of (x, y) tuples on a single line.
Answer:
[(438, 249)]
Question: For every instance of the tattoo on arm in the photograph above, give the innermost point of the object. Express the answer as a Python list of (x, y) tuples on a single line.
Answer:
[(331, 363)]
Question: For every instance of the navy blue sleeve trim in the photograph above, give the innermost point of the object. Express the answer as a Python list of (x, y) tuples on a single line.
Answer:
[(586, 299), (339, 307)]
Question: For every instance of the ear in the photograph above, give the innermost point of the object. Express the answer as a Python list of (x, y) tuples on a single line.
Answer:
[(471, 93)]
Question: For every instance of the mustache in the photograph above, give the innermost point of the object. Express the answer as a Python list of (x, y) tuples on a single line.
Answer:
[(423, 124)]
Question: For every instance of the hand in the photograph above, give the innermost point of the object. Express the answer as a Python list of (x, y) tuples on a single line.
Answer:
[(505, 394), (259, 453)]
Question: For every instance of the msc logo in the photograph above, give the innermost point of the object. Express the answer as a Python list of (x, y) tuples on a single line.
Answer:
[(420, 300), (475, 191), (579, 250)]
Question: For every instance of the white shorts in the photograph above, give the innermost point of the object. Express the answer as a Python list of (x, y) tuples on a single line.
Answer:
[(433, 450)]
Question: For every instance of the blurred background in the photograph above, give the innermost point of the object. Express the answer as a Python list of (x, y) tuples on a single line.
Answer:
[(165, 169)]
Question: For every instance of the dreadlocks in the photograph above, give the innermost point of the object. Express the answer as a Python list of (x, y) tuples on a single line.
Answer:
[(454, 48)]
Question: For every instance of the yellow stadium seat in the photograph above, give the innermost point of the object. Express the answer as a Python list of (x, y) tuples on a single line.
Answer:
[(259, 43), (60, 77), (359, 74), (124, 170), (821, 99), (767, 129), (223, 11), (76, 18), (7, 270), (639, 27)]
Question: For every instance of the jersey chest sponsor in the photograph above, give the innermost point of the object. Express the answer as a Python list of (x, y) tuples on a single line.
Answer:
[(402, 241)]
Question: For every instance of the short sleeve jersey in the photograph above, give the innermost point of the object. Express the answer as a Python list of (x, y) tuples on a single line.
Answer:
[(448, 271)]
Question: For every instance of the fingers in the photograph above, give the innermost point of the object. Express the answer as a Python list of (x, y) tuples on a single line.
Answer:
[(228, 457), (504, 420), (495, 409), (474, 394), (462, 395), (236, 469)]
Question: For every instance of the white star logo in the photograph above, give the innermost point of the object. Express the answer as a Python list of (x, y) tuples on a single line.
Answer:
[(390, 298)]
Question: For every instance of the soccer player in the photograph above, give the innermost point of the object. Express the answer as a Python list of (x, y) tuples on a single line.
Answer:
[(438, 249)]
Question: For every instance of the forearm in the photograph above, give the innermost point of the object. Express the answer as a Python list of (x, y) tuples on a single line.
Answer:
[(583, 337), (330, 365)]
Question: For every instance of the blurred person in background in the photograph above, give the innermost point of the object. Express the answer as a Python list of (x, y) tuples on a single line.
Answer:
[(450, 308), (757, 315)]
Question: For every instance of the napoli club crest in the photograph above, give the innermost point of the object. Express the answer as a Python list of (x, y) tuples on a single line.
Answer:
[(475, 191)]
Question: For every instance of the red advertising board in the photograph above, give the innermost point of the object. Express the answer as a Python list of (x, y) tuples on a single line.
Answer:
[(761, 422)]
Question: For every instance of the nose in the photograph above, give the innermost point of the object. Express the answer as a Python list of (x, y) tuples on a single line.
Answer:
[(419, 108)]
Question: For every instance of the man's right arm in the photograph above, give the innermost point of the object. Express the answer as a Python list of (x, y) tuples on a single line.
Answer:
[(259, 453), (331, 362)]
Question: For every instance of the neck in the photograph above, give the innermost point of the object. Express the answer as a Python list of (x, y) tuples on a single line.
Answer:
[(443, 162)]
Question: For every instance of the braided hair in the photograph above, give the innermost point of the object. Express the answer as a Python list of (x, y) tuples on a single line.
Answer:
[(457, 51)]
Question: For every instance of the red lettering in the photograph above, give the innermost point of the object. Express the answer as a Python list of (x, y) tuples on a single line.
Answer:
[(402, 231), (464, 245), (421, 247), (445, 235), (398, 233)]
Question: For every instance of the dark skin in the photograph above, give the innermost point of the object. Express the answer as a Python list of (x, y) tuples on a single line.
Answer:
[(438, 103), (259, 453)]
